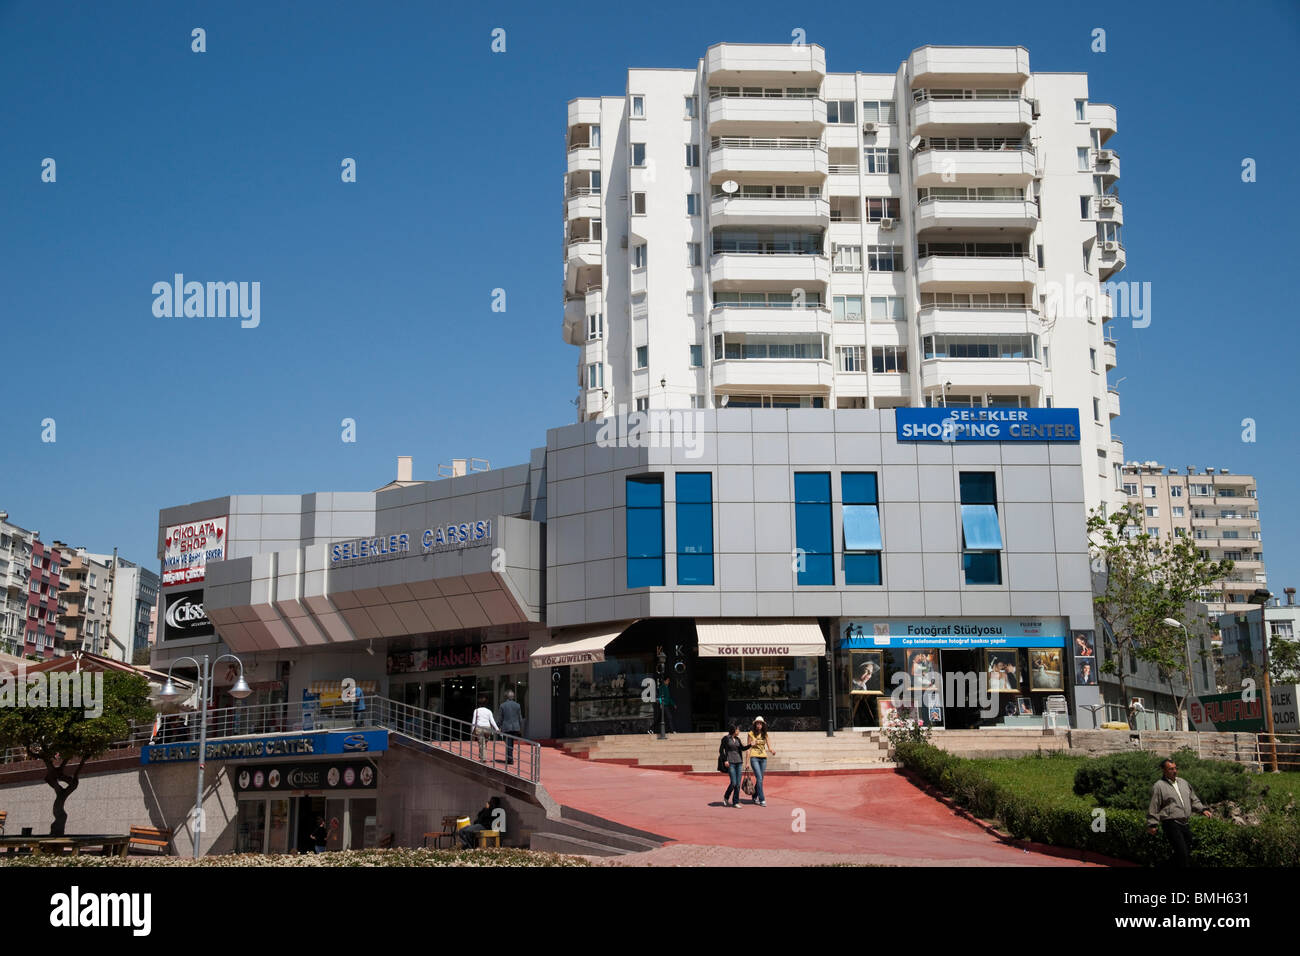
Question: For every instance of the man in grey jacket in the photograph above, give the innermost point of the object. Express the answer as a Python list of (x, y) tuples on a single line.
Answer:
[(1173, 801), (512, 724)]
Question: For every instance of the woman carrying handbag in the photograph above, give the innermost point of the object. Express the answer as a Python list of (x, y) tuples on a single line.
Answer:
[(731, 760), (759, 745)]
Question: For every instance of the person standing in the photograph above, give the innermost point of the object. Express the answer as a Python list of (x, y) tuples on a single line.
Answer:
[(666, 706), (320, 834), (484, 724), (731, 754), (1173, 802), (512, 724), (760, 748)]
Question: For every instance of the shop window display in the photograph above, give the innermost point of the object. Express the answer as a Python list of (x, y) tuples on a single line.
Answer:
[(612, 690), (785, 691)]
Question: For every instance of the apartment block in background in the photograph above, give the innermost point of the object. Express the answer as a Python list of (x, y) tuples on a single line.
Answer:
[(30, 572), (85, 605), (758, 232), (1218, 509)]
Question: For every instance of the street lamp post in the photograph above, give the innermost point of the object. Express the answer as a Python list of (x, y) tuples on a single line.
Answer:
[(169, 692), (1263, 596), (1187, 646)]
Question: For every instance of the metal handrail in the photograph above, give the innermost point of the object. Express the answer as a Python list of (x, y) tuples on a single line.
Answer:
[(923, 253), (925, 95), (765, 249), (743, 195), (733, 93), (924, 306), (1019, 199), (973, 144), (770, 142)]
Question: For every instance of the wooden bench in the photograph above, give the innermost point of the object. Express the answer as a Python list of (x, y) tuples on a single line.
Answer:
[(149, 838), (447, 833), (486, 836)]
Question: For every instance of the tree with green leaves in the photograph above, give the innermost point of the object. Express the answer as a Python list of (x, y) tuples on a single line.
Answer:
[(1142, 581), (1283, 660), (64, 738)]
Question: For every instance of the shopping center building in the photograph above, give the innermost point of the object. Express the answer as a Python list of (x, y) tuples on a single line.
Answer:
[(795, 563)]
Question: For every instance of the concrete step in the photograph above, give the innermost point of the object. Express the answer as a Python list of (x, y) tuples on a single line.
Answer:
[(562, 843), (600, 835)]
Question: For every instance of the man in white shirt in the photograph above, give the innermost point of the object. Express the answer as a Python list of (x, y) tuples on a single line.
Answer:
[(484, 725)]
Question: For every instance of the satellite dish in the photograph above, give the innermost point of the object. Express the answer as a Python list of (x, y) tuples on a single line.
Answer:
[(730, 186), (725, 399), (915, 142)]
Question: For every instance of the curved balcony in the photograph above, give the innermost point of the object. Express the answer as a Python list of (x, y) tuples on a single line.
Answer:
[(741, 61), (1107, 168), (990, 273), (582, 264), (975, 66), (1101, 116), (771, 272), (583, 204), (766, 375), (583, 110), (738, 318), (584, 159), (803, 115), (742, 210), (791, 157), (1009, 375), (1112, 259), (934, 117), (575, 320), (1108, 354), (945, 320), (1112, 402), (1108, 209), (981, 213), (974, 167)]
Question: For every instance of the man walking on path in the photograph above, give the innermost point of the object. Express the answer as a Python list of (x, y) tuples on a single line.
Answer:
[(511, 724), (1173, 801)]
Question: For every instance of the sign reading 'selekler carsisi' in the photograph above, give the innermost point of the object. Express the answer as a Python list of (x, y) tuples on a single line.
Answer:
[(467, 534), (988, 424)]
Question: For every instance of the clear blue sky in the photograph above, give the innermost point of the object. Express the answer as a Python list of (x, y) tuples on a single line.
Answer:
[(375, 296)]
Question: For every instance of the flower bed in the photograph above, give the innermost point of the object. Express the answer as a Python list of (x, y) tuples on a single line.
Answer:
[(371, 858)]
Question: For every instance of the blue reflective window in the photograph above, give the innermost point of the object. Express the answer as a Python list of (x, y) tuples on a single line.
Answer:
[(645, 532), (695, 528), (979, 488), (982, 567), (812, 528), (861, 528), (859, 488), (862, 568), (979, 525)]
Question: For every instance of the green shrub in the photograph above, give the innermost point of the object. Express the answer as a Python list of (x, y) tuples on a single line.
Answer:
[(1123, 781)]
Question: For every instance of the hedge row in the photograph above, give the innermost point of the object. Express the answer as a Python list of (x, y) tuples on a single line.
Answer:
[(1123, 836)]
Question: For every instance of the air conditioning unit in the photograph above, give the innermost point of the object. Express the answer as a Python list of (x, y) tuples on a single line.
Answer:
[(1104, 156), (1033, 109), (886, 224), (1111, 246), (868, 127), (1108, 202)]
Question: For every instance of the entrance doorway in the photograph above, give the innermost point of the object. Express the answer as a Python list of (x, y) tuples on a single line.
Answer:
[(708, 695), (458, 697)]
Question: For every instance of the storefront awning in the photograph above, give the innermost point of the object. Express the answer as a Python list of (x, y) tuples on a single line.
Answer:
[(330, 692), (758, 637), (580, 646)]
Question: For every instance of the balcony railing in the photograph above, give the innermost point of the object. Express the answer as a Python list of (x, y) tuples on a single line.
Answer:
[(843, 169), (968, 198), (754, 93), (762, 247), (967, 250), (764, 142), (992, 144), (576, 191), (926, 95)]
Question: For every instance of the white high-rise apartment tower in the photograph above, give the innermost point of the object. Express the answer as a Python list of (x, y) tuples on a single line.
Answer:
[(756, 232)]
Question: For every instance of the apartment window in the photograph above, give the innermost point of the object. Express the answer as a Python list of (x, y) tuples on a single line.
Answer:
[(693, 254), (1149, 491), (695, 528), (92, 579), (1096, 409), (889, 358), (878, 160), (643, 404), (841, 111), (692, 154), (642, 356), (1010, 346), (1232, 555), (1042, 263), (1234, 535), (1082, 153), (1153, 512), (1085, 206), (639, 256), (595, 326), (981, 536), (1284, 630), (1178, 511), (595, 375), (1047, 358), (1176, 491), (862, 542), (879, 111), (846, 258), (886, 308), (1092, 358), (90, 601), (638, 204), (698, 401), (692, 204), (692, 107), (638, 154), (1180, 532), (697, 356), (885, 258), (638, 107), (1081, 111), (850, 358), (812, 519), (846, 308), (645, 532), (879, 208), (595, 136)]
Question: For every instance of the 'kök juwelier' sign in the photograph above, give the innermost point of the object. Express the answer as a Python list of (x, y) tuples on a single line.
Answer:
[(988, 424)]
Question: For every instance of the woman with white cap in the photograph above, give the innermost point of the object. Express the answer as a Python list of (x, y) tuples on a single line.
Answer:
[(760, 748)]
